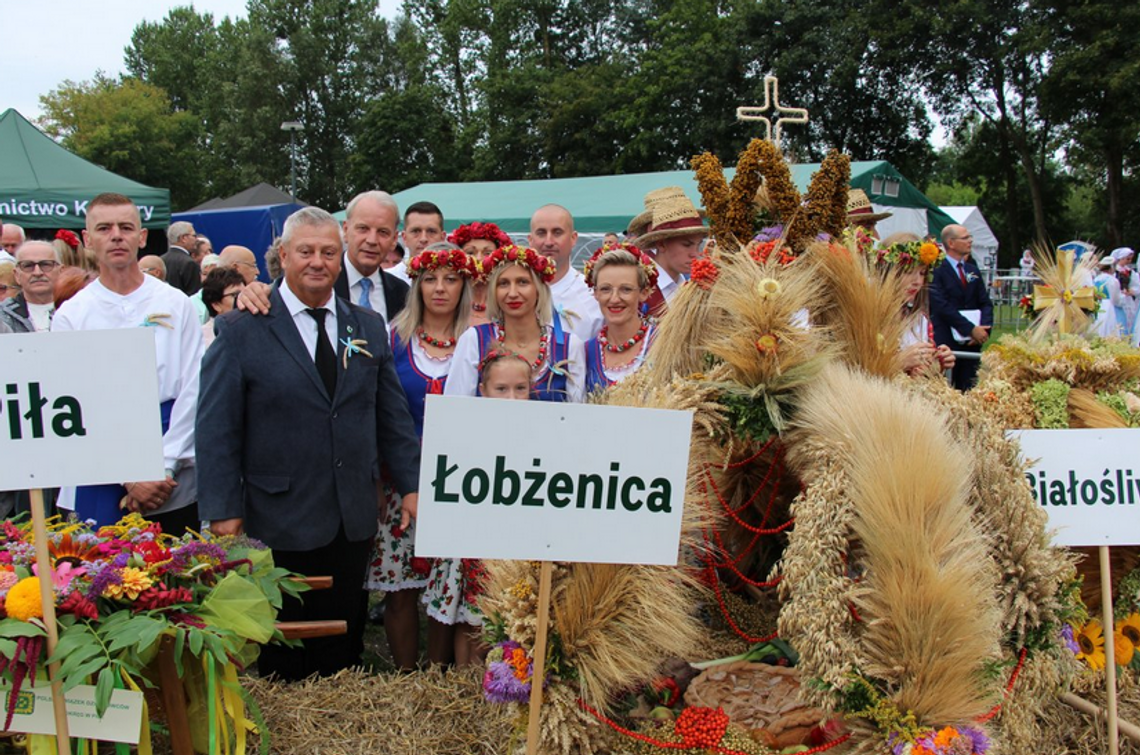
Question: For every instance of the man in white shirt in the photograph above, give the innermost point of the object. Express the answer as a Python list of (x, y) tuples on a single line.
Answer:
[(423, 226), (37, 267), (124, 297), (552, 234)]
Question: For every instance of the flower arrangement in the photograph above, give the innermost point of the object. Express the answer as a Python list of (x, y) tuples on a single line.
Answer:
[(1090, 644), (68, 237), (120, 589), (643, 260), (945, 741), (520, 255), (760, 251), (454, 259), (510, 670), (464, 234)]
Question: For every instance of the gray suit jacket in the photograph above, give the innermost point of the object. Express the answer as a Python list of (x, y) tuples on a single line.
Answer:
[(274, 449), (182, 272)]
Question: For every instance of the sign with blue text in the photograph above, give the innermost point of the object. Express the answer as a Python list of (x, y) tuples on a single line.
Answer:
[(549, 481), (1086, 482), (79, 408)]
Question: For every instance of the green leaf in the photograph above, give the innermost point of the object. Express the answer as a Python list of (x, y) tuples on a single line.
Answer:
[(7, 648), (84, 670), (179, 649), (17, 628), (79, 656), (196, 640), (103, 689)]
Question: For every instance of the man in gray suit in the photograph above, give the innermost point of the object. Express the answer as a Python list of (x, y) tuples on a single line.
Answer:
[(293, 432)]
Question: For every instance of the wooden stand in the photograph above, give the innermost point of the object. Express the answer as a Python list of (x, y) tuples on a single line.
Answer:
[(538, 676), (43, 567), (1109, 649)]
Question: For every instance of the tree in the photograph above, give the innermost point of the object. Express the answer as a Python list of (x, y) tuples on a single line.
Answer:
[(128, 127), (1091, 88)]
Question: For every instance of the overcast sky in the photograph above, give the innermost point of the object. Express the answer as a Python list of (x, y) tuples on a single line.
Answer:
[(48, 41)]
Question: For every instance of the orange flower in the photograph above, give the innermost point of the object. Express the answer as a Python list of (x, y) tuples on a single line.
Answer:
[(767, 343), (1122, 648), (928, 254)]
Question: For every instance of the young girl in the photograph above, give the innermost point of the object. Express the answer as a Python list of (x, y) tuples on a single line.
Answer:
[(455, 583)]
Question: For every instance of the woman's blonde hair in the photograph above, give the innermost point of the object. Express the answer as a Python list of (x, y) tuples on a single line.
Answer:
[(542, 309), (412, 315), (620, 258)]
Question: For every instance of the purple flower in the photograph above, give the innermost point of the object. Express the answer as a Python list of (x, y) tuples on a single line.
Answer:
[(770, 233), (500, 685), (1070, 641), (978, 739), (196, 550), (111, 574)]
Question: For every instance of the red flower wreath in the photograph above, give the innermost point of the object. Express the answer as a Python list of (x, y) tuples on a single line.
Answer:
[(520, 255), (488, 231), (455, 259), (643, 260), (68, 238)]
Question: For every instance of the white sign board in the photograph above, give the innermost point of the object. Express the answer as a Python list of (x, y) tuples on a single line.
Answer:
[(121, 722), (79, 408), (551, 481), (1087, 483)]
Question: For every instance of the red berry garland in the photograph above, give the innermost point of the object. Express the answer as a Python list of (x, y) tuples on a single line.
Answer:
[(635, 339), (542, 348), (439, 343), (701, 727)]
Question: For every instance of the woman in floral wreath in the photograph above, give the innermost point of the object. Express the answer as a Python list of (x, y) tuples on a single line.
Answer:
[(478, 240), (522, 321), (622, 278), (915, 259), (423, 338)]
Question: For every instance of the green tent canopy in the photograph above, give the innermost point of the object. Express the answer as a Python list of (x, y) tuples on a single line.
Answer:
[(42, 185), (601, 204)]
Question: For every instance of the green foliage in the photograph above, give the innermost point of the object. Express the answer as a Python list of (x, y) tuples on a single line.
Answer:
[(128, 127), (1050, 404)]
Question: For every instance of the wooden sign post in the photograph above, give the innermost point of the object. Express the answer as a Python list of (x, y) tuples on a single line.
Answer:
[(539, 487), (1083, 480), (66, 424)]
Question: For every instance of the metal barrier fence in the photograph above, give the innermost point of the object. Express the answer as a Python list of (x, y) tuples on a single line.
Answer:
[(1007, 287)]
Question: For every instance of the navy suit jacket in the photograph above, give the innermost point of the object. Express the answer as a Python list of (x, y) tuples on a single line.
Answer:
[(276, 450), (395, 290), (947, 298)]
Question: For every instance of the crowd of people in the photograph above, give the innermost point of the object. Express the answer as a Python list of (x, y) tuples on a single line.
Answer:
[(292, 412)]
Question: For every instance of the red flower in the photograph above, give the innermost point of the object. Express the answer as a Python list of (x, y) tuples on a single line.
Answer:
[(396, 531), (79, 606), (421, 566)]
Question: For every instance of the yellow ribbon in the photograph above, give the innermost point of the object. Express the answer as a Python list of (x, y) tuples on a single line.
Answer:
[(144, 733)]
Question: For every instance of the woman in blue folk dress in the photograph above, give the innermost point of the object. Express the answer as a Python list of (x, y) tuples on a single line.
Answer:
[(522, 321), (423, 338), (622, 278)]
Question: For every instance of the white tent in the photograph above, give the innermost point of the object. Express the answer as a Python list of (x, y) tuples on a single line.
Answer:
[(985, 242)]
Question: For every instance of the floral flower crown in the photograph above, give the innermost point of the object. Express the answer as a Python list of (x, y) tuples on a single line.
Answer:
[(644, 261), (488, 231), (495, 355), (910, 255), (520, 255), (68, 238), (453, 258)]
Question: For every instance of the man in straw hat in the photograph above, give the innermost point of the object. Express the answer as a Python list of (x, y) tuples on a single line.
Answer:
[(671, 226), (861, 214)]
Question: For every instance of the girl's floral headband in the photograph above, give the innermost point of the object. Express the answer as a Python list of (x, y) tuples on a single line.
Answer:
[(644, 261), (487, 231), (453, 258), (910, 255), (520, 255)]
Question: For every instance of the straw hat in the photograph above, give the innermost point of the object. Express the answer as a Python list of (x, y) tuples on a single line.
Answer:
[(859, 209), (669, 213)]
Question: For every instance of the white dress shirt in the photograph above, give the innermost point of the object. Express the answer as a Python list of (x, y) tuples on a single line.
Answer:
[(463, 380), (668, 286), (306, 323), (40, 315), (580, 310), (375, 297), (178, 350)]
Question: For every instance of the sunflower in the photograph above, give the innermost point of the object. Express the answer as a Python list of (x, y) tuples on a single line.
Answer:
[(1130, 628), (1090, 638), (1122, 648), (69, 550)]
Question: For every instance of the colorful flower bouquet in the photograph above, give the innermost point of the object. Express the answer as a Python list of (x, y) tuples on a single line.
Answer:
[(121, 589)]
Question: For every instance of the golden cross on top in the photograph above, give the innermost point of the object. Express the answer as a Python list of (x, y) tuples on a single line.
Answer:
[(1071, 300), (772, 102)]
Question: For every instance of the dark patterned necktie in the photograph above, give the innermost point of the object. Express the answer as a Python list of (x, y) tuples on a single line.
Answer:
[(326, 357)]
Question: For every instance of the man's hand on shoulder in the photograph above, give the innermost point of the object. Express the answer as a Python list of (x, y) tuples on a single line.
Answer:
[(254, 298), (223, 527)]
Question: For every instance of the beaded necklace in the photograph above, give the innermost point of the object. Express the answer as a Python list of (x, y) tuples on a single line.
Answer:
[(439, 343), (542, 344), (478, 307), (632, 341)]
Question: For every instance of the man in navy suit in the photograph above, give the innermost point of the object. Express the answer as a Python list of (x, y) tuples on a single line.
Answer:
[(298, 412), (958, 287), (370, 232)]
